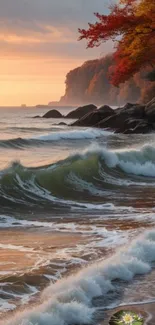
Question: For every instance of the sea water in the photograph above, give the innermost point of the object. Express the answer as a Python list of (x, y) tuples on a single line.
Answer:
[(77, 220)]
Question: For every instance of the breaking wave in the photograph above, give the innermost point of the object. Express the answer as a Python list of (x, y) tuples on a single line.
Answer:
[(83, 179), (54, 136), (71, 300)]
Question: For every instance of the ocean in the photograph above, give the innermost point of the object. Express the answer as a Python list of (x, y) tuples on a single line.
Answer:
[(77, 220)]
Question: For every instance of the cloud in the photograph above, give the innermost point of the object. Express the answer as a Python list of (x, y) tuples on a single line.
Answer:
[(74, 51), (46, 27), (55, 12)]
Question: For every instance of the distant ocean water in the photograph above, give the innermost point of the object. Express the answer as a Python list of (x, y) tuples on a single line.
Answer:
[(77, 220)]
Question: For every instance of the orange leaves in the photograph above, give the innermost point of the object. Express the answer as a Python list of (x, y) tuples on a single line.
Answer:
[(134, 22), (109, 26), (123, 71)]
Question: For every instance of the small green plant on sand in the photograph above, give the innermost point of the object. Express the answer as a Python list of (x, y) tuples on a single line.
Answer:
[(126, 318)]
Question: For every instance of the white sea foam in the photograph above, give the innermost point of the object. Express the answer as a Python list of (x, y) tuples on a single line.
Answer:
[(15, 247), (7, 221), (90, 133), (69, 300), (140, 161), (100, 236), (6, 306)]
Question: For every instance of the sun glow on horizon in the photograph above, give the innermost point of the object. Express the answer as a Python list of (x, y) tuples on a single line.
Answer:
[(39, 46), (33, 81)]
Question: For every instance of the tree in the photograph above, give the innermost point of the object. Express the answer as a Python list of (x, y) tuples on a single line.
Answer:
[(131, 24)]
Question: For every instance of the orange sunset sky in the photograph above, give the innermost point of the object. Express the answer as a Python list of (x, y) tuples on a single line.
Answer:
[(38, 42)]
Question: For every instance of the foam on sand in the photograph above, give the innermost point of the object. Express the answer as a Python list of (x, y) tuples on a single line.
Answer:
[(69, 301)]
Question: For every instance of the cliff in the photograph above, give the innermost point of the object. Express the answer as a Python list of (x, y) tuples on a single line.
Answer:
[(90, 83)]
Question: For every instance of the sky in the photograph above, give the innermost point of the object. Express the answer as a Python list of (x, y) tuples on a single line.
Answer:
[(38, 46)]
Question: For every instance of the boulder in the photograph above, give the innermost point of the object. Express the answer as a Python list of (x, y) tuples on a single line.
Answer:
[(81, 111), (137, 111), (150, 111), (124, 108), (53, 113), (142, 127), (115, 122), (119, 122), (133, 110), (62, 123), (128, 106), (106, 108), (91, 119), (127, 119)]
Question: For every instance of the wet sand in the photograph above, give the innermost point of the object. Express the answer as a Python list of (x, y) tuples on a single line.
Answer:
[(23, 250)]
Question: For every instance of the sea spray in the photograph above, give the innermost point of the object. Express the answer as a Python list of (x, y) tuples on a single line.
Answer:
[(70, 300)]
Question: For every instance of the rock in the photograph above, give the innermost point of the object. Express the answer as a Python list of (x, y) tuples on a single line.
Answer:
[(106, 108), (128, 122), (151, 102), (62, 123), (130, 119), (128, 106), (81, 111), (133, 110), (142, 127), (91, 119), (137, 111), (115, 122), (53, 113), (37, 116), (150, 111), (125, 118), (119, 122)]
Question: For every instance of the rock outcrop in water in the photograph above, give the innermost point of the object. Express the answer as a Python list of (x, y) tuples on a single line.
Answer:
[(150, 110), (94, 117), (75, 114), (132, 118), (53, 113), (37, 116), (81, 111)]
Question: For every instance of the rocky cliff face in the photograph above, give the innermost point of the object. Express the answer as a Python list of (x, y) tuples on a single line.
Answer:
[(90, 83)]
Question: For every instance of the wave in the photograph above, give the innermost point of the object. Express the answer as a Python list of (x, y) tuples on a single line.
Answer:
[(56, 135), (70, 300), (90, 180), (33, 129), (115, 237), (90, 133)]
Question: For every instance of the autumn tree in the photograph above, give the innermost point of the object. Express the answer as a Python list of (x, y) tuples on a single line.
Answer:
[(131, 25)]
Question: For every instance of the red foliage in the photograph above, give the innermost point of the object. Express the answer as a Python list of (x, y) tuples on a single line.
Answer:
[(134, 22)]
